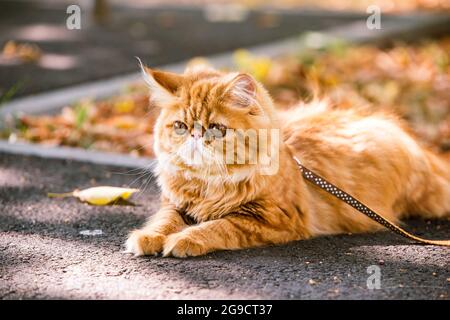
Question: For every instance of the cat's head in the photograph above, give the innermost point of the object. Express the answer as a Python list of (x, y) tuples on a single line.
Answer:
[(211, 123)]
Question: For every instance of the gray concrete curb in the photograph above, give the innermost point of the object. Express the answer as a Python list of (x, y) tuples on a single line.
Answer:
[(75, 154), (402, 27)]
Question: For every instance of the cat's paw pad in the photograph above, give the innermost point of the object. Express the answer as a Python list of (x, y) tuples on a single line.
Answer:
[(181, 245), (142, 243)]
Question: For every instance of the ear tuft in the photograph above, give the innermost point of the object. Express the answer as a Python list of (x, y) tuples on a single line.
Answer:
[(163, 85)]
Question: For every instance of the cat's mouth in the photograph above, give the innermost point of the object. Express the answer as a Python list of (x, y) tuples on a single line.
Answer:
[(174, 164), (195, 153)]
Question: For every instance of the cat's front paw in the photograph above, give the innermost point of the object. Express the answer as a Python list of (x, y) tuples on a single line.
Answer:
[(142, 243), (182, 245)]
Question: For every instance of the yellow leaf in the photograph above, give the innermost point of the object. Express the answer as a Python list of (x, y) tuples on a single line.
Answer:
[(124, 106), (258, 66), (261, 68), (99, 196)]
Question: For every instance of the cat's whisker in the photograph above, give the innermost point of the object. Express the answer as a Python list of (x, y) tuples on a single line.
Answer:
[(147, 178), (146, 185), (130, 172), (144, 172)]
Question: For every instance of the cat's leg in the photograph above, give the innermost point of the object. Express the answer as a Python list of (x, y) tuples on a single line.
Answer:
[(228, 233), (150, 239)]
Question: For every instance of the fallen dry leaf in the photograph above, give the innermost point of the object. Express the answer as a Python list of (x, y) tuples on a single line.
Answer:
[(99, 196), (26, 52)]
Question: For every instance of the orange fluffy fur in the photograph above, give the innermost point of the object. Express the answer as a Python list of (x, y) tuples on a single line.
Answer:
[(217, 206)]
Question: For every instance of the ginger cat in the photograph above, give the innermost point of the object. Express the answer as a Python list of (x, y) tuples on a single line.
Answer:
[(211, 203)]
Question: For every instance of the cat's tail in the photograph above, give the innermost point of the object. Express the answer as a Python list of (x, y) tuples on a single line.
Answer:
[(434, 198)]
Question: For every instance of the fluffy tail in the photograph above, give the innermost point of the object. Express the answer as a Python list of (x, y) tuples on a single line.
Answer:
[(434, 198)]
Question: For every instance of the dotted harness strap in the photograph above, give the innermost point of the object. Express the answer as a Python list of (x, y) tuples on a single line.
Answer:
[(351, 201)]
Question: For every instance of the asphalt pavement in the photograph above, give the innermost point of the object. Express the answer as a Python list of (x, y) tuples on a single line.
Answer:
[(44, 255)]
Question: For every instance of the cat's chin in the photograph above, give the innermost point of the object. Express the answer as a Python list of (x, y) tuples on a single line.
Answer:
[(219, 177), (211, 174)]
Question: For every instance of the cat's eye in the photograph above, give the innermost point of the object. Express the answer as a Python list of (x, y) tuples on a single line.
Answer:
[(218, 130), (180, 127)]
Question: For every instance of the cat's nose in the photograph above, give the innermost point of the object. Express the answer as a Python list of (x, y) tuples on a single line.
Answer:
[(197, 134)]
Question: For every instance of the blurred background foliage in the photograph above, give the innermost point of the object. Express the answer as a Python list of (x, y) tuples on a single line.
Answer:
[(412, 80)]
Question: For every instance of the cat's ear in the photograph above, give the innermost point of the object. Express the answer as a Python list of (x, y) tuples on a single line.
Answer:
[(241, 91), (163, 85)]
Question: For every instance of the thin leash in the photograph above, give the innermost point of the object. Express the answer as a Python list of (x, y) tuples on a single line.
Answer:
[(330, 188)]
